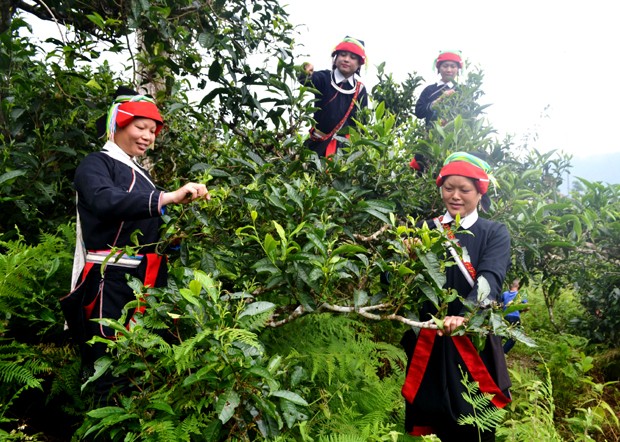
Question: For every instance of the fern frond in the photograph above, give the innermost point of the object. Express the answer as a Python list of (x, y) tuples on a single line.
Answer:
[(230, 335), (342, 438), (486, 416), (164, 431)]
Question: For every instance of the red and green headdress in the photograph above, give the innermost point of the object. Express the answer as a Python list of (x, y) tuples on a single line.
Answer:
[(128, 106), (352, 45), (467, 165)]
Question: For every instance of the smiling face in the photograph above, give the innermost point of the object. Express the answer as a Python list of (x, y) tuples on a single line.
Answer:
[(347, 63), (448, 71), (136, 138), (460, 195)]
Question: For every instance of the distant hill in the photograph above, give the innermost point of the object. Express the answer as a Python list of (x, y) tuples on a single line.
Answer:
[(605, 168)]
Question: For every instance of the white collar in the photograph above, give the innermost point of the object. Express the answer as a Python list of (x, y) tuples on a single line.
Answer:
[(114, 151), (339, 78), (466, 222), (442, 83)]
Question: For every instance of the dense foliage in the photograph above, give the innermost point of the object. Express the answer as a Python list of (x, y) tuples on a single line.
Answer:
[(277, 323)]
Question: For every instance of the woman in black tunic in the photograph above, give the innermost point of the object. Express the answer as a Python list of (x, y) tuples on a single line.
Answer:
[(116, 198), (433, 386), (339, 93), (448, 65)]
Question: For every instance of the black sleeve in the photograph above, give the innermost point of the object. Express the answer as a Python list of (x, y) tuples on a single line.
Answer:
[(423, 105), (494, 261)]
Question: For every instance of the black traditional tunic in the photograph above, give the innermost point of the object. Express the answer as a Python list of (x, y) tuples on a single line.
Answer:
[(423, 109), (116, 199), (437, 402), (332, 105)]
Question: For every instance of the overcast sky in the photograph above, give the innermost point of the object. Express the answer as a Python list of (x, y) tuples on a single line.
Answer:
[(549, 66)]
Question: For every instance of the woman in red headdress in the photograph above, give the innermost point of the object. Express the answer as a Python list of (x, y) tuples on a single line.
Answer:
[(448, 65), (116, 198), (340, 93), (433, 388)]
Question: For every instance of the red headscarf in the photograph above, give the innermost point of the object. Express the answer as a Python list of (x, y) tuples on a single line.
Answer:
[(467, 165), (142, 109), (449, 56), (127, 107), (352, 45)]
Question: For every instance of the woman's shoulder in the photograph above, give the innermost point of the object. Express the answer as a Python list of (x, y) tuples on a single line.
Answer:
[(489, 224), (98, 163), (430, 88), (490, 229), (94, 159)]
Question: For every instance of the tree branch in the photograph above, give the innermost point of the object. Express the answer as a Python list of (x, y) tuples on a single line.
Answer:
[(362, 311), (372, 237)]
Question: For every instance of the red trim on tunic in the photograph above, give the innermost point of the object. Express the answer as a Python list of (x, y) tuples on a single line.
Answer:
[(153, 263), (422, 430), (479, 371), (88, 309), (419, 362), (467, 351), (315, 137)]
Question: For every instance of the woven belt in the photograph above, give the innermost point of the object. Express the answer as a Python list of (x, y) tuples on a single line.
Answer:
[(118, 259)]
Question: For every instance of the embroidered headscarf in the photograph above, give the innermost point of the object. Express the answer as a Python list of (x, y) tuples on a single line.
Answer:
[(467, 165), (352, 45), (127, 107)]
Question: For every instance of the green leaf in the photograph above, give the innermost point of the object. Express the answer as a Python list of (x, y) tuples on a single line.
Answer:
[(484, 289), (226, 405), (348, 249), (433, 267), (257, 308), (162, 406), (270, 245), (188, 295), (360, 297), (290, 396), (11, 175), (291, 414), (208, 284), (215, 71)]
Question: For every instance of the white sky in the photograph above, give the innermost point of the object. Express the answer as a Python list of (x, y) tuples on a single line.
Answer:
[(549, 66)]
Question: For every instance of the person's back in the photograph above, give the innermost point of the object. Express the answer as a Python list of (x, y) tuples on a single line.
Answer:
[(513, 317)]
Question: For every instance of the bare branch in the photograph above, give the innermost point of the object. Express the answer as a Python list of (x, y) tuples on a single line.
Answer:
[(365, 312), (362, 311), (372, 237), (299, 311), (62, 36)]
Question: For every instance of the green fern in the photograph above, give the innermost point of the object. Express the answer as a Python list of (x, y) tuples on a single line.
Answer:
[(356, 381), (533, 409), (342, 438), (486, 416), (32, 278)]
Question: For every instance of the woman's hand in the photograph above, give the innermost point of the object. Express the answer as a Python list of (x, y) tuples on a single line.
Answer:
[(186, 194), (451, 323)]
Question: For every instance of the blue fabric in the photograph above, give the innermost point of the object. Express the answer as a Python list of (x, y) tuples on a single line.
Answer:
[(508, 297)]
